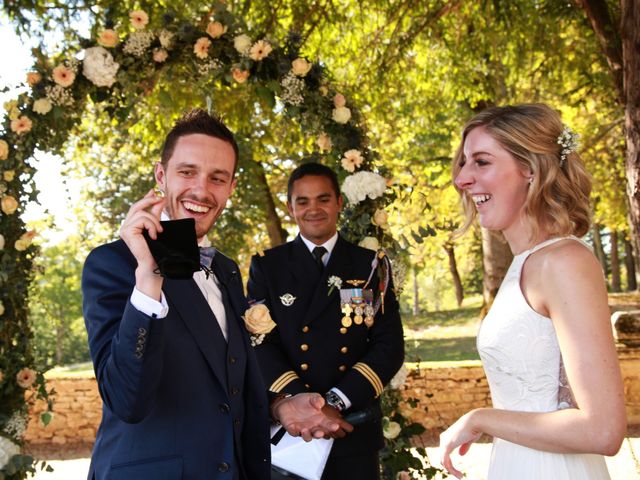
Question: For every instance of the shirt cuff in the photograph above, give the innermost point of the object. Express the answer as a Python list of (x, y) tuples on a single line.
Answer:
[(343, 397), (148, 305)]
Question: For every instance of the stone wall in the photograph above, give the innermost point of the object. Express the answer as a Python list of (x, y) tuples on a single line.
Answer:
[(444, 394)]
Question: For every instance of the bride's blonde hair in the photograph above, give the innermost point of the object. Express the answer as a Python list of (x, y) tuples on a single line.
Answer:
[(558, 199)]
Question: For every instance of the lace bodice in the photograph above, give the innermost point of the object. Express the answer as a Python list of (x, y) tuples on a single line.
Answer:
[(519, 349)]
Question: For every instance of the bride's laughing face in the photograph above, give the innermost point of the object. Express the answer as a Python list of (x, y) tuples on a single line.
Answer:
[(495, 182)]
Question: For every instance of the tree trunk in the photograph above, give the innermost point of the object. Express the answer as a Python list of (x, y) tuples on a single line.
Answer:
[(615, 263), (597, 247), (630, 266), (416, 291), (277, 234), (630, 35), (455, 275), (495, 260)]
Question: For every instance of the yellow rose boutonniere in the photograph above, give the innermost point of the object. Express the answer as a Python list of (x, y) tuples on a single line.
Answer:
[(258, 322)]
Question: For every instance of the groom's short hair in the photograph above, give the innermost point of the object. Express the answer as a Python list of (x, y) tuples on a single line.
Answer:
[(315, 169), (197, 120)]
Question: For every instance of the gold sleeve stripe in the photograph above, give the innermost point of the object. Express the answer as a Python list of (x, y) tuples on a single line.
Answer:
[(371, 376), (282, 381)]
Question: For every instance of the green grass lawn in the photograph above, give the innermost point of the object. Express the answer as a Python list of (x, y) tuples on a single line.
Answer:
[(443, 336)]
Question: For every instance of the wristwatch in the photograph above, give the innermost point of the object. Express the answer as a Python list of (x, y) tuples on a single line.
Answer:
[(334, 400)]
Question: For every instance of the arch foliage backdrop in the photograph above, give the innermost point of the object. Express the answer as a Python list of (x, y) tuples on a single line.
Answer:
[(110, 73)]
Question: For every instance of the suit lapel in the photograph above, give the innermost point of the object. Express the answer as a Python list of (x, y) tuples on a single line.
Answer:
[(340, 265), (195, 312)]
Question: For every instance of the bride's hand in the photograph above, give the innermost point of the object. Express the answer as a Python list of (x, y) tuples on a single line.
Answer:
[(460, 434)]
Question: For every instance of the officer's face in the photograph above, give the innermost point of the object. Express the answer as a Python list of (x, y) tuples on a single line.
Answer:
[(198, 179), (315, 208)]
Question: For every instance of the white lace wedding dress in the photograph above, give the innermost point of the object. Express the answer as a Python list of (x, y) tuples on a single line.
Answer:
[(521, 358)]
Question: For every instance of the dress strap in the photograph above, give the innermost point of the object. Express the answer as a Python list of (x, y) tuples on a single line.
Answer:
[(551, 241)]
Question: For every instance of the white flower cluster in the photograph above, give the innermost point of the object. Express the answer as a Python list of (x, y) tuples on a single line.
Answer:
[(256, 339), (138, 43), (166, 39), (58, 95), (363, 184), (7, 450), (99, 66), (206, 67), (293, 88), (569, 141), (17, 425)]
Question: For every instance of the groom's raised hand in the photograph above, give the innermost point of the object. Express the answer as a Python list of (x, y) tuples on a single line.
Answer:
[(303, 415)]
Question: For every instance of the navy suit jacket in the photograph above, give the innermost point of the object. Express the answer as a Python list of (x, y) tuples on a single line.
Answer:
[(310, 350), (178, 401)]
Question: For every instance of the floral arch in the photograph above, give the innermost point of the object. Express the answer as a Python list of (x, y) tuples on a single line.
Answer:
[(58, 91)]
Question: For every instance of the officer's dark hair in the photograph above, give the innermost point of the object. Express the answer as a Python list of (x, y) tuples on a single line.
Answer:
[(315, 169), (197, 120)]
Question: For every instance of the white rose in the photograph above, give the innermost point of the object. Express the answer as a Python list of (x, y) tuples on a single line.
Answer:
[(300, 67), (341, 115), (242, 43), (363, 184), (258, 320), (9, 204), (99, 66), (7, 450), (42, 106), (391, 430), (370, 242)]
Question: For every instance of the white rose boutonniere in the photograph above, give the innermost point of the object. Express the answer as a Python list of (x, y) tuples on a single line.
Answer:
[(334, 282), (258, 322)]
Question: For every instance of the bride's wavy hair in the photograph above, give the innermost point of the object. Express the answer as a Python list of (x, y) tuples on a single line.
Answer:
[(558, 199)]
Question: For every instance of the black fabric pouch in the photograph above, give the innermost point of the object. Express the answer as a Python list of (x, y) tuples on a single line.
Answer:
[(176, 249)]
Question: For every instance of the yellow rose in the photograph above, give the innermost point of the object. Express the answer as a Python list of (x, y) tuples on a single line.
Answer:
[(242, 43), (324, 142), (339, 100), (4, 150), (240, 76), (324, 90), (1, 308), (1, 376), (216, 29), (24, 241), (8, 175), (26, 377), (9, 204), (300, 67), (380, 218), (33, 78), (1, 242), (341, 114), (42, 106), (258, 320), (108, 38)]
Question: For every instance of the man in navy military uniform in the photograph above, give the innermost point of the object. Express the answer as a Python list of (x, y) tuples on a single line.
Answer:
[(319, 345), (182, 391)]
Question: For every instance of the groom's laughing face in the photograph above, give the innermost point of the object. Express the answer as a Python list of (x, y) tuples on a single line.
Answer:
[(198, 179)]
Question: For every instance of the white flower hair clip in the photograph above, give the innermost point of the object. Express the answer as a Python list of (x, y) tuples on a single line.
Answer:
[(570, 142)]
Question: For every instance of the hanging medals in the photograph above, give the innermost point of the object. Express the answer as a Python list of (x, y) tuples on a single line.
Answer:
[(359, 302)]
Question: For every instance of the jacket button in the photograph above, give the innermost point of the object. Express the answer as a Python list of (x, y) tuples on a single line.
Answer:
[(342, 368), (232, 359), (234, 391), (304, 347), (343, 330), (223, 467), (142, 331), (305, 329), (344, 350), (236, 422), (304, 367), (224, 408)]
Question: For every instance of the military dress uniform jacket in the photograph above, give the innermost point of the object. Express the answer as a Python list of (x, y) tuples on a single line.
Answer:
[(179, 403), (310, 350)]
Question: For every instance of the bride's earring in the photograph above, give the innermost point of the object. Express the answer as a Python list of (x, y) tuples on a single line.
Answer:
[(530, 180)]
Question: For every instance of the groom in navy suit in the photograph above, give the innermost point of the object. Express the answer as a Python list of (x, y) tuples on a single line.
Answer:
[(182, 392)]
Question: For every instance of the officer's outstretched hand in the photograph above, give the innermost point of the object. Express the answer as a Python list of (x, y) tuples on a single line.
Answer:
[(302, 415)]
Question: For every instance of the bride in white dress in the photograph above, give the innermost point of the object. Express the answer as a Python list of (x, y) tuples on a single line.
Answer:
[(546, 344)]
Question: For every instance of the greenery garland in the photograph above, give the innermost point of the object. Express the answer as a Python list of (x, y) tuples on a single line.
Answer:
[(113, 70)]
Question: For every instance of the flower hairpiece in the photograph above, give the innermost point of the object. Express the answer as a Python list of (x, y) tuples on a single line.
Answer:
[(570, 141)]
